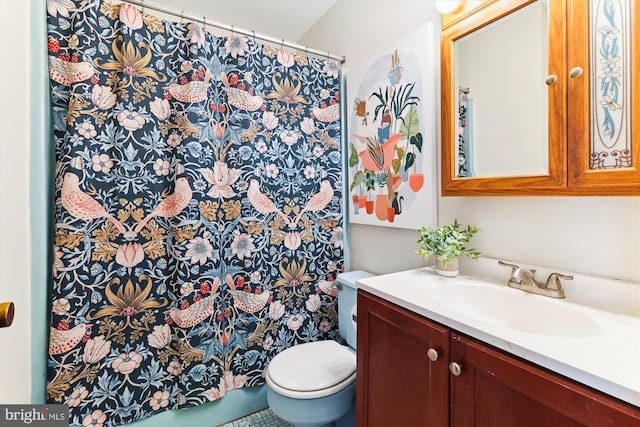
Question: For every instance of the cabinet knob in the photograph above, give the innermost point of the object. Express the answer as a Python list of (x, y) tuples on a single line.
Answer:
[(551, 80), (455, 368), (6, 314), (575, 72), (432, 354)]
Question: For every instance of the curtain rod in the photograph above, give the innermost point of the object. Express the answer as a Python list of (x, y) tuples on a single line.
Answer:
[(203, 20)]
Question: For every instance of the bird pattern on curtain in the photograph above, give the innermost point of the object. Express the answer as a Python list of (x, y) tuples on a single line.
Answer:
[(198, 210)]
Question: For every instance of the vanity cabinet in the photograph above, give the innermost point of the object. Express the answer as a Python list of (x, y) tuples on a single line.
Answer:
[(402, 377), (591, 95), (495, 389), (399, 385)]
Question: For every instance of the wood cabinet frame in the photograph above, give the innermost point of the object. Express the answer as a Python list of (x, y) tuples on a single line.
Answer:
[(569, 109), (582, 180)]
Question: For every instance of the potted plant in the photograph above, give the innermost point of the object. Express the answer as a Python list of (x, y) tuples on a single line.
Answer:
[(447, 243), (356, 203)]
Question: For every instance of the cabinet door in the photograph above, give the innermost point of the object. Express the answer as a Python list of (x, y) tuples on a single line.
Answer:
[(397, 385), (497, 390), (604, 101), (478, 17)]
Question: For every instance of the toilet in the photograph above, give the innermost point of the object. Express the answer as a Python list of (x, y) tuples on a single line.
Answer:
[(313, 384)]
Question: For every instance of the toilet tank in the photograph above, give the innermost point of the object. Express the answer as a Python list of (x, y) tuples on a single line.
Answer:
[(347, 304)]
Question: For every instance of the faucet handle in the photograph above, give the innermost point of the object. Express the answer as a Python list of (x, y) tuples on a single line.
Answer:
[(553, 281), (516, 270), (514, 267)]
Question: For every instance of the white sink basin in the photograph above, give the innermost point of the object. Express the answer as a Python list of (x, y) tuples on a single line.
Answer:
[(515, 309)]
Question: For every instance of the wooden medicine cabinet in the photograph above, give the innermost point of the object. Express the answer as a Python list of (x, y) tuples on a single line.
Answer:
[(540, 97)]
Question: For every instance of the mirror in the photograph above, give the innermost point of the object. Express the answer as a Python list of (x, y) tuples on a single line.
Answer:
[(501, 131), (500, 73)]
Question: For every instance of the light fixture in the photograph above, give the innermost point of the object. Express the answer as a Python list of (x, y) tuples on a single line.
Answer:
[(448, 6)]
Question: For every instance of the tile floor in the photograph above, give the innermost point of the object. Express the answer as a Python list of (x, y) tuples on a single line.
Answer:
[(264, 418)]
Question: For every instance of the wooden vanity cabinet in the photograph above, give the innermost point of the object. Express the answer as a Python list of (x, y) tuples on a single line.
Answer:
[(495, 389), (397, 385)]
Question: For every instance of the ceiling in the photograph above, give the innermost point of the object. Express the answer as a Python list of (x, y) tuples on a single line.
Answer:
[(280, 19)]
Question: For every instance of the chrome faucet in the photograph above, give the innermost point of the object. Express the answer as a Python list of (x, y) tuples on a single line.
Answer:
[(522, 278)]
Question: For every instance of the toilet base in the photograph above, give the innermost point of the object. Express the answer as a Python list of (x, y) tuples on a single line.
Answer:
[(349, 420), (321, 412)]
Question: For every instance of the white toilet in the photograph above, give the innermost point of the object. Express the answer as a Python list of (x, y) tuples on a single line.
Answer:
[(313, 384)]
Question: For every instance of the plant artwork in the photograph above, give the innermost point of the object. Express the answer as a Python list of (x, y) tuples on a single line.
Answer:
[(391, 144)]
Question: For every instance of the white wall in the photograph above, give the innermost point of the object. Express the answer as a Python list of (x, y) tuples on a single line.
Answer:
[(15, 236), (354, 28), (591, 235)]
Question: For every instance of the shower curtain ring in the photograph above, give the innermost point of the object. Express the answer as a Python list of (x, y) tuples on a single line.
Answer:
[(181, 16), (232, 34), (282, 45), (204, 23), (254, 35), (142, 6)]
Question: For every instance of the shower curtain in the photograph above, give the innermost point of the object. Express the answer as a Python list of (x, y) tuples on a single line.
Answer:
[(198, 210)]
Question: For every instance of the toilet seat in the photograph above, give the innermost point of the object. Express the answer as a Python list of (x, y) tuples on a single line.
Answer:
[(312, 370)]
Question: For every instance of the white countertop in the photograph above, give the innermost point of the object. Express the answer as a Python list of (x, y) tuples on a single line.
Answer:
[(606, 357)]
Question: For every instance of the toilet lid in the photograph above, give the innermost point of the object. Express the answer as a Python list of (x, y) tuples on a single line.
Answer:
[(313, 366)]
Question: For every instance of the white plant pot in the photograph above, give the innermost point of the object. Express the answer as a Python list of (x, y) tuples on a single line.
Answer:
[(451, 270)]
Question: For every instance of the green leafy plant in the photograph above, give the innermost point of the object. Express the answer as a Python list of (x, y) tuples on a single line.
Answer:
[(403, 99), (358, 179), (447, 242), (353, 155), (397, 100)]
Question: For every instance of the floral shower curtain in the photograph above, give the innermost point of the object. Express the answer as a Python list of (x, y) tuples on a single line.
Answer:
[(198, 217)]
